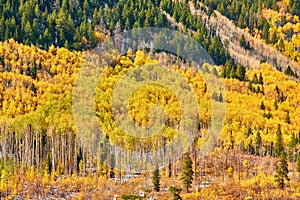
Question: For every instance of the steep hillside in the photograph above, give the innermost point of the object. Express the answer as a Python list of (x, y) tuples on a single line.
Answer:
[(258, 50), (251, 56)]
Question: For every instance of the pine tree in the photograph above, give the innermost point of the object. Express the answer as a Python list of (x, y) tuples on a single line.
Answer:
[(49, 163), (79, 159), (156, 179), (282, 171), (298, 165), (187, 172), (240, 73), (250, 86), (175, 191), (281, 45), (289, 71), (243, 43), (279, 148), (292, 148)]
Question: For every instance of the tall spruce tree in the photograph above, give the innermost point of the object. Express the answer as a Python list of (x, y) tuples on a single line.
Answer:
[(282, 171), (292, 151), (279, 148), (298, 165), (187, 172), (156, 179)]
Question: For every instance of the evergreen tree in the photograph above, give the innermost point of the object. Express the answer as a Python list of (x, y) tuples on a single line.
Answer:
[(79, 158), (49, 163), (289, 71), (279, 148), (175, 191), (156, 179), (274, 38), (292, 149), (298, 165), (217, 51), (244, 43), (240, 73), (229, 69), (282, 171), (281, 45), (187, 172)]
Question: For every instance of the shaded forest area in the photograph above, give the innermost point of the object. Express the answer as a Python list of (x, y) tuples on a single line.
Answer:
[(73, 24)]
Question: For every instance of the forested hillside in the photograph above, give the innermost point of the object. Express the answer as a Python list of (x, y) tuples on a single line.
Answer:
[(36, 108), (44, 45), (73, 24), (277, 22)]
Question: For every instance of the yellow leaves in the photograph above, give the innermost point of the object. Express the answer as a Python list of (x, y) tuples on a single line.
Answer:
[(3, 180), (126, 62), (11, 41), (99, 36), (140, 58), (266, 67), (189, 74), (46, 177), (81, 167), (230, 172), (287, 27), (84, 40), (32, 74), (31, 174), (245, 163), (80, 196), (297, 28), (52, 49), (296, 40)]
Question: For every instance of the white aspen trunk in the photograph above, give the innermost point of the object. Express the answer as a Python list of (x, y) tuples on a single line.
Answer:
[(69, 152), (52, 148)]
